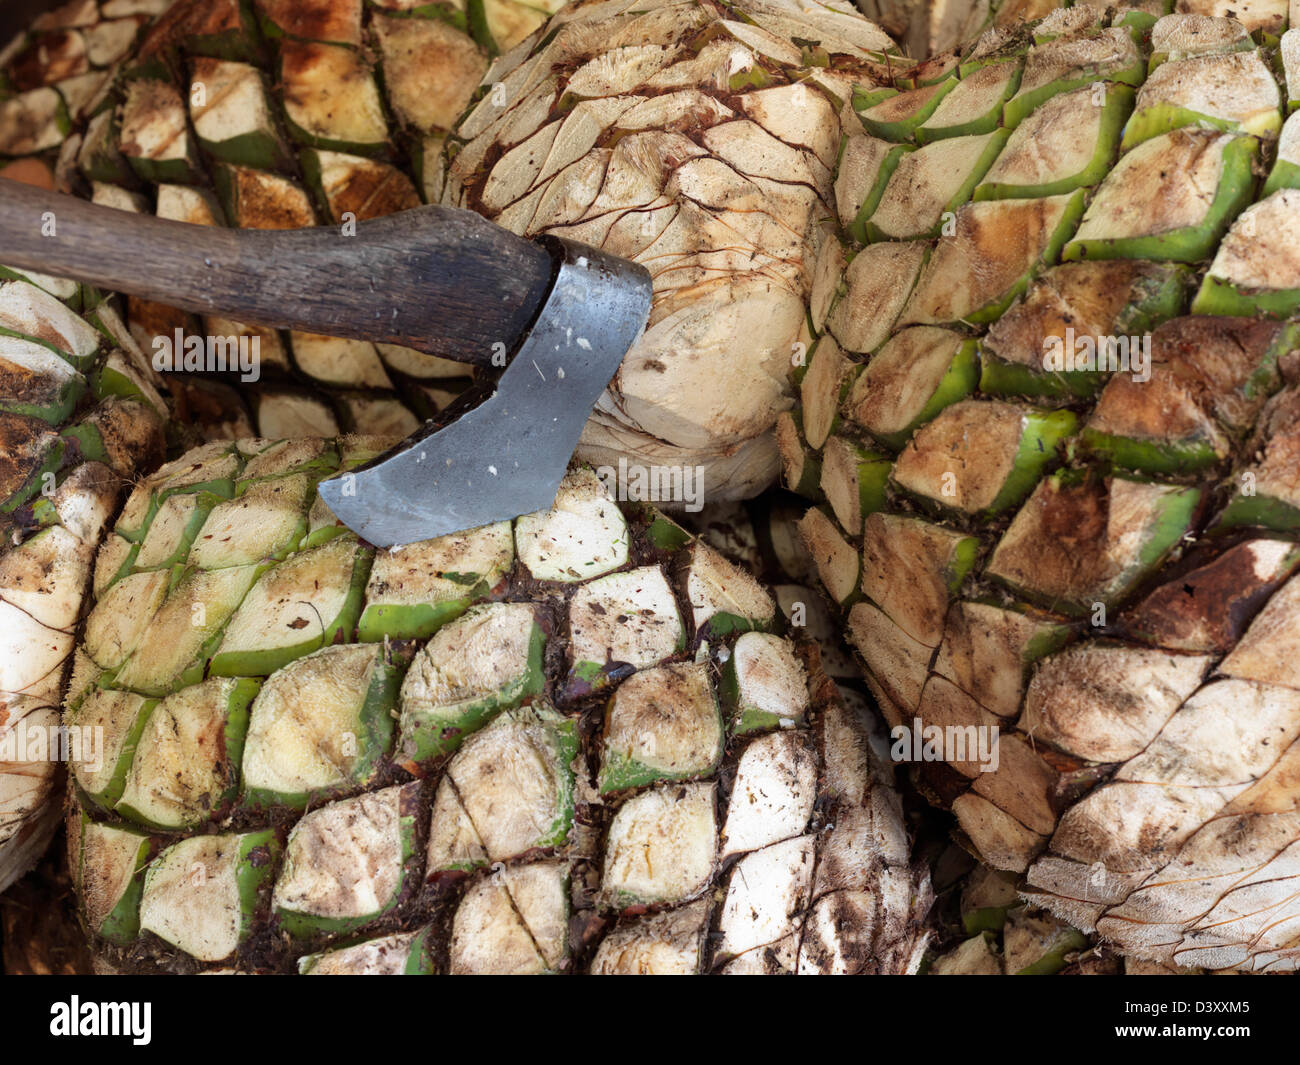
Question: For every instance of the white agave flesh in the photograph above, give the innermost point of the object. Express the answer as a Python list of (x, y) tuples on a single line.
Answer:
[(733, 259)]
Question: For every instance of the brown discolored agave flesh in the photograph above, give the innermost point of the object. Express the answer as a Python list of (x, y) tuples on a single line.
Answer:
[(696, 138), (1051, 433), (575, 742), (80, 416), (979, 924), (266, 115), (699, 140), (984, 927), (1081, 501)]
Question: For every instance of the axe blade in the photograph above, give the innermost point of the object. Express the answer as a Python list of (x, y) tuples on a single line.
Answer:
[(506, 456)]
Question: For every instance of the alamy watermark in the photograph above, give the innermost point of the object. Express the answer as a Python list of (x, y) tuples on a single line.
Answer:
[(1089, 354), (193, 353), (631, 482), (946, 743), (77, 1018), (82, 745)]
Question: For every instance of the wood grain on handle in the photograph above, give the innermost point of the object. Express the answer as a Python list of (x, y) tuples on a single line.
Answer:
[(438, 279)]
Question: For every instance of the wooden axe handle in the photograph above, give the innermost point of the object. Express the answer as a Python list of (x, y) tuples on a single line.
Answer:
[(438, 279)]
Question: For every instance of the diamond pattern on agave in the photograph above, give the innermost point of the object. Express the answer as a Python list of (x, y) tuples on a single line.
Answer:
[(696, 138), (574, 742), (266, 115), (226, 600), (698, 141), (1045, 420), (79, 415), (1105, 568)]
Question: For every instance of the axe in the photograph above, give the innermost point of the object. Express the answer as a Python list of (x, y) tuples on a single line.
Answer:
[(437, 279)]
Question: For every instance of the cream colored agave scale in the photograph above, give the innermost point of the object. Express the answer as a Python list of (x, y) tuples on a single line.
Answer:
[(289, 113), (575, 742), (698, 140), (285, 119), (79, 416), (1051, 420)]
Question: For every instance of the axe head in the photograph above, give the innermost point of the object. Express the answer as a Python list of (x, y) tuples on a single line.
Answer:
[(505, 457)]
